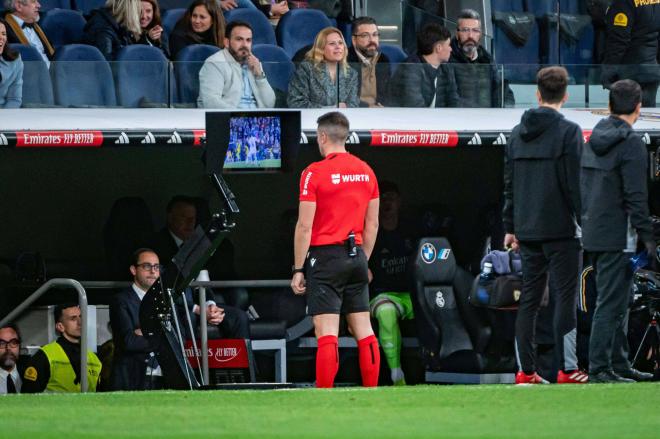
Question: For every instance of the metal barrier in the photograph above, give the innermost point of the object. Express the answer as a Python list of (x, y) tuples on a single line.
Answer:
[(82, 301)]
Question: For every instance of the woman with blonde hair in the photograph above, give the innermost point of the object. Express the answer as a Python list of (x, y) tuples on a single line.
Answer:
[(324, 78), (114, 26), (203, 23)]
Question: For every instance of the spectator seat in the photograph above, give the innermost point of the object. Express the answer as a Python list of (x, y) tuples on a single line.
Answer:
[(86, 6), (37, 88), (262, 30), (186, 71), (63, 26), (395, 54), (141, 76), (47, 5), (170, 18), (298, 28), (277, 65)]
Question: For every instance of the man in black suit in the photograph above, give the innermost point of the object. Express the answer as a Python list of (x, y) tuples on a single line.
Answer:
[(10, 346), (22, 17)]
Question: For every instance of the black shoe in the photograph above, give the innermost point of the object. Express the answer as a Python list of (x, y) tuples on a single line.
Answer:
[(634, 374), (607, 376)]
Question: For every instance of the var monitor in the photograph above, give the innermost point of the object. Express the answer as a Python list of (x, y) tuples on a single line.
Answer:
[(250, 141)]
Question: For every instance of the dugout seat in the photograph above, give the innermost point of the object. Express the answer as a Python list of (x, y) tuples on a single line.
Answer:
[(37, 87), (262, 30), (142, 77), (455, 337), (189, 61), (298, 28), (63, 26)]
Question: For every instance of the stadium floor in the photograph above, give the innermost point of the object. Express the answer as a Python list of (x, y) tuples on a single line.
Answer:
[(495, 411)]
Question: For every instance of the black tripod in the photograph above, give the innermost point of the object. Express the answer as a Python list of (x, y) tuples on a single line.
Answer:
[(647, 283)]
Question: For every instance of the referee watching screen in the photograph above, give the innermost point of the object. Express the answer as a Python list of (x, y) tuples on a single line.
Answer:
[(335, 234)]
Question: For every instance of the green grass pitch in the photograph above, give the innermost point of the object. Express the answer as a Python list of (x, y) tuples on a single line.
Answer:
[(493, 411)]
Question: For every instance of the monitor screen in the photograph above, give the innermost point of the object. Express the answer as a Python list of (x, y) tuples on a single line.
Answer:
[(251, 141)]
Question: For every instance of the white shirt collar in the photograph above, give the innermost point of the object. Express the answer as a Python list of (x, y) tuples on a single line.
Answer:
[(177, 240), (16, 378), (138, 291)]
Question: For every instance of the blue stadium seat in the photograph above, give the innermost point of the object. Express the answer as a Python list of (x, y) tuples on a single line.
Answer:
[(63, 26), (541, 7), (170, 17), (570, 6), (298, 28), (186, 71), (276, 63), (507, 5), (506, 52), (141, 76), (47, 5), (86, 6), (394, 53), (82, 77), (262, 30), (37, 88), (173, 4)]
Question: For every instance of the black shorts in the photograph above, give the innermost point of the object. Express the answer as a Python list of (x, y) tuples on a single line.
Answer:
[(336, 282)]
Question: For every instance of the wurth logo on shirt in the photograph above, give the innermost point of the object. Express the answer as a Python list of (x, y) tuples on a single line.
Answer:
[(309, 175), (349, 178)]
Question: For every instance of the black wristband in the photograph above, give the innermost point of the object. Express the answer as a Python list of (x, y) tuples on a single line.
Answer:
[(295, 270)]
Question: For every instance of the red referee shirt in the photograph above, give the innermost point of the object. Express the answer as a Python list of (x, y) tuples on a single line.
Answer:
[(341, 185)]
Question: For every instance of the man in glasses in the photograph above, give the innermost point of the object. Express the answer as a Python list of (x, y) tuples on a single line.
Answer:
[(372, 66), (476, 75), (10, 346)]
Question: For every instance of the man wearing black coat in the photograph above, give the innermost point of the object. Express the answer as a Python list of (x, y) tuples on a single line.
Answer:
[(615, 214), (477, 78), (22, 19), (372, 66), (631, 46), (425, 79), (542, 206)]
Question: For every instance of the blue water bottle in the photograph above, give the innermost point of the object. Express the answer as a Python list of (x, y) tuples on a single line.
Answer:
[(485, 277)]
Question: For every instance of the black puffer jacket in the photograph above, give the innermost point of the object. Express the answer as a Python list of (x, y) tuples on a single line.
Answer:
[(542, 177), (613, 186), (103, 31), (478, 82), (414, 84)]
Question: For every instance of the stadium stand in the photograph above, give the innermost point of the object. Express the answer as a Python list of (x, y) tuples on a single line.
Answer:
[(47, 5), (262, 30), (173, 4), (86, 6), (186, 71), (298, 28), (141, 77), (394, 53), (37, 87), (82, 77), (170, 18), (63, 26)]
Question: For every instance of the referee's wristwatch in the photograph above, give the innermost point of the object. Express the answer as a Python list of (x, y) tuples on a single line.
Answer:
[(295, 270)]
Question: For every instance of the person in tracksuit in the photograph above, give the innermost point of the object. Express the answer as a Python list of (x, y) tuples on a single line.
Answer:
[(615, 213), (542, 206), (631, 46)]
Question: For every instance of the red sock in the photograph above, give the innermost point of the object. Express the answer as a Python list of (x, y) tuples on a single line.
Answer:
[(327, 361), (369, 360)]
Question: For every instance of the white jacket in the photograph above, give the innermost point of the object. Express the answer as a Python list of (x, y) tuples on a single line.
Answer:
[(221, 84)]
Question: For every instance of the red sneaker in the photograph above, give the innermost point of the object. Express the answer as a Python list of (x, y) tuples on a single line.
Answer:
[(575, 377), (523, 378)]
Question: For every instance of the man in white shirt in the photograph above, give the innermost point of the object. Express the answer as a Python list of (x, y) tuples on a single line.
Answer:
[(22, 19), (10, 346)]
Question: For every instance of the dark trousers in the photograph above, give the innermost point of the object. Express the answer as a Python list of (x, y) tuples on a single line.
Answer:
[(235, 324), (560, 259), (649, 92), (608, 344)]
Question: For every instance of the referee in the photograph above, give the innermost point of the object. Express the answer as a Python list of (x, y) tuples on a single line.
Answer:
[(335, 234)]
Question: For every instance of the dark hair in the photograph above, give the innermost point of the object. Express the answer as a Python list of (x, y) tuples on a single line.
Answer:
[(180, 199), (135, 258), (57, 313), (8, 54), (335, 125), (429, 36), (359, 21), (217, 22), (15, 328), (234, 24), (624, 97), (156, 19), (468, 14), (552, 82)]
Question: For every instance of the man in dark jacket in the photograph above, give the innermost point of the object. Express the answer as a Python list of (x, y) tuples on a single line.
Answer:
[(614, 214), (542, 204), (22, 18), (373, 67), (631, 46), (425, 79), (477, 78)]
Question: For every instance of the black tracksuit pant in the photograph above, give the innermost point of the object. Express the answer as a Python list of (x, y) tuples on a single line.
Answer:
[(560, 259), (608, 344)]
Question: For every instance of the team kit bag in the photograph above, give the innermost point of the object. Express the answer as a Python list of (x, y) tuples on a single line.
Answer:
[(500, 283)]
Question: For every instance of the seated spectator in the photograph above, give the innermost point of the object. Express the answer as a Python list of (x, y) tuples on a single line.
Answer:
[(203, 23), (272, 9), (228, 5), (425, 79), (477, 79), (56, 366), (372, 66), (11, 73), (22, 17), (324, 79), (151, 25), (113, 27), (234, 77), (10, 348)]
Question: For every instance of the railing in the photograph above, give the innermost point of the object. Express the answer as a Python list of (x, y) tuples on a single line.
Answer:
[(82, 301)]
